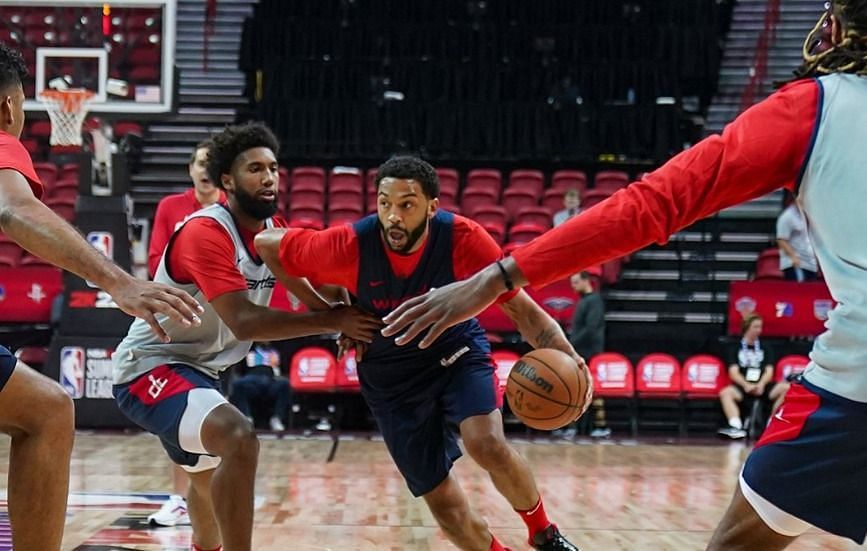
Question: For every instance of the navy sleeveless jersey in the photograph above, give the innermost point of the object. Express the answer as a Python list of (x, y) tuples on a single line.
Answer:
[(380, 291)]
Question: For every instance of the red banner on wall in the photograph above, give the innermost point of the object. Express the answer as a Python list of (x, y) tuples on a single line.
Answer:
[(26, 294), (788, 308)]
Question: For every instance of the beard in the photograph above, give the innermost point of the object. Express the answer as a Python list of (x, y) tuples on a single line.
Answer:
[(411, 237), (255, 208)]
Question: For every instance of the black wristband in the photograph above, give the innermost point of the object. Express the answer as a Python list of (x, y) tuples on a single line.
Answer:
[(506, 279)]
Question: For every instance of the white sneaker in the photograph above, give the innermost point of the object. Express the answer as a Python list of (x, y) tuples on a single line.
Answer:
[(600, 432), (172, 513), (323, 424), (733, 433), (277, 424)]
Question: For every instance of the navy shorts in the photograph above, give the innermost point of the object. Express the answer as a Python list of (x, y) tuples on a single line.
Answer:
[(7, 365), (171, 401), (418, 416), (809, 468)]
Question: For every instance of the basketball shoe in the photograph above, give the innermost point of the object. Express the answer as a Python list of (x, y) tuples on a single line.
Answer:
[(276, 424), (550, 539), (172, 513)]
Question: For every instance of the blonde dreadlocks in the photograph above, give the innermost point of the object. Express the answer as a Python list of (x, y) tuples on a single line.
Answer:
[(822, 56)]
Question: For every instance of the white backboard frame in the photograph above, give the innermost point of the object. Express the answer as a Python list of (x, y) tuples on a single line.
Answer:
[(100, 54), (100, 104)]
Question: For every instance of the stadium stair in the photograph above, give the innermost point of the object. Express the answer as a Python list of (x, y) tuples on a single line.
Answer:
[(674, 297), (797, 17), (209, 96)]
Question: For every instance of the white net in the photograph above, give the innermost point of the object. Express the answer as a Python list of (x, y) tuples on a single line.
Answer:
[(66, 109)]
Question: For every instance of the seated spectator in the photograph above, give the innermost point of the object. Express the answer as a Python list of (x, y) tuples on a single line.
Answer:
[(259, 383), (751, 368), (797, 259), (572, 202)]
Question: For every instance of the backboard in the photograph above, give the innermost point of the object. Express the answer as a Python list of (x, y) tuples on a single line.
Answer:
[(123, 50)]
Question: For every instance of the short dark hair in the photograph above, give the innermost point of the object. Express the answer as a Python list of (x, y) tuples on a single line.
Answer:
[(13, 70), (234, 140), (207, 143), (407, 167)]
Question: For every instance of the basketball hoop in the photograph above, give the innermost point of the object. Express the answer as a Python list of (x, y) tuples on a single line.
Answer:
[(66, 109)]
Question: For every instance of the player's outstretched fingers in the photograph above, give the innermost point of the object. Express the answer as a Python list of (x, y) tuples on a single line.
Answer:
[(168, 305), (400, 317), (191, 303), (156, 328), (421, 320), (343, 348), (180, 306), (434, 333)]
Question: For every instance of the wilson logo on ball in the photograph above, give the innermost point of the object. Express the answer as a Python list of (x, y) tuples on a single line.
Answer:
[(529, 373)]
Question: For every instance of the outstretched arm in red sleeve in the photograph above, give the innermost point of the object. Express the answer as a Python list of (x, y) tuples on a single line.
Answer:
[(762, 150)]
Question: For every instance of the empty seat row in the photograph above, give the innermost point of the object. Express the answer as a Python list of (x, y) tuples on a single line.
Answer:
[(355, 179), (315, 369)]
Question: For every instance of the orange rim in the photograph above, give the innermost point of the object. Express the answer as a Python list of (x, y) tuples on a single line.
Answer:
[(69, 100)]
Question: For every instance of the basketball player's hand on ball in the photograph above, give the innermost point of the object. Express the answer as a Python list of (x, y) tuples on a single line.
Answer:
[(145, 299), (582, 365), (355, 323), (574, 355)]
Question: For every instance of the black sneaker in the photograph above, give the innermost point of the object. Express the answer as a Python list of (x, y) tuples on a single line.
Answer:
[(551, 539)]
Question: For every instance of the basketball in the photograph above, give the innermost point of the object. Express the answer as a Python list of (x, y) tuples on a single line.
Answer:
[(547, 390)]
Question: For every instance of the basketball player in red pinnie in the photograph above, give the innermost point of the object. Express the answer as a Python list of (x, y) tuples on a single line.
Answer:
[(417, 396)]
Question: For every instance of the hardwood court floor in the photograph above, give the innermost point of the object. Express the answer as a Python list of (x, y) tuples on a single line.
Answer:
[(605, 496)]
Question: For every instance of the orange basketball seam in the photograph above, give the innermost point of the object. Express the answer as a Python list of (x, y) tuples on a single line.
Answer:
[(547, 398)]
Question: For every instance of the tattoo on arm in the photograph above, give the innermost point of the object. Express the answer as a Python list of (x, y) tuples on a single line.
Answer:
[(546, 337)]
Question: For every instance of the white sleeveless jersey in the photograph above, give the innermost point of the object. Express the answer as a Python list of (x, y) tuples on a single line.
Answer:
[(210, 347), (833, 195)]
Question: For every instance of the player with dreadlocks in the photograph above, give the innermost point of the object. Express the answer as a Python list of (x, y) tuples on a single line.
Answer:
[(838, 42), (810, 466)]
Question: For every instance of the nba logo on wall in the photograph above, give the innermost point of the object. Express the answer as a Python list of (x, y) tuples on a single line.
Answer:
[(745, 306), (821, 308), (72, 370), (103, 242)]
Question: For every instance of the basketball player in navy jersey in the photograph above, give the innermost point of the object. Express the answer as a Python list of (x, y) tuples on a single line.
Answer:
[(417, 396), (808, 468)]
